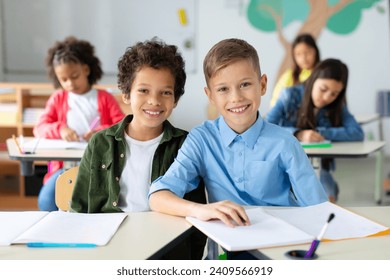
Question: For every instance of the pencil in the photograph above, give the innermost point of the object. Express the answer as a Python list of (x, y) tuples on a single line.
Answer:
[(35, 146), (94, 123), (17, 144)]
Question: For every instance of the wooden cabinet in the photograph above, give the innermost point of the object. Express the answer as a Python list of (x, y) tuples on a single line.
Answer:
[(20, 106)]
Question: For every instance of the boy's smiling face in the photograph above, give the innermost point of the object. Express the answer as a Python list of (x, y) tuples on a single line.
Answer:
[(236, 92), (152, 101)]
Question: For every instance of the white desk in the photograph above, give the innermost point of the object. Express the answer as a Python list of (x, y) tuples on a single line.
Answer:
[(353, 150), (27, 160), (366, 118), (346, 149), (369, 248), (145, 235)]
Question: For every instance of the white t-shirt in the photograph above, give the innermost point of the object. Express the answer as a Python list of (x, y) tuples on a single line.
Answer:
[(83, 110), (135, 179)]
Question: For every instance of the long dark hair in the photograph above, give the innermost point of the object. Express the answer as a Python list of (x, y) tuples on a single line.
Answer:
[(328, 69), (307, 39)]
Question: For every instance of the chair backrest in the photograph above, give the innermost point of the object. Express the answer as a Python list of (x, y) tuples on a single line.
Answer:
[(64, 188), (383, 103)]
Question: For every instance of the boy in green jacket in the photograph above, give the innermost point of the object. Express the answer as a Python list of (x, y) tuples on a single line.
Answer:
[(120, 162)]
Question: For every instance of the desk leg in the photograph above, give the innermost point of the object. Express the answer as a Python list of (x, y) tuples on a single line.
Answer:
[(27, 168), (378, 177), (212, 250), (316, 163), (380, 125)]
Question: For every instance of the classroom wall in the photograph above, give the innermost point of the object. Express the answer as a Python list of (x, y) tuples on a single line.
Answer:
[(366, 51)]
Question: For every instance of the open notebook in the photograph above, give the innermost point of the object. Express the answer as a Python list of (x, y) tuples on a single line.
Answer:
[(58, 227), (47, 144), (280, 226)]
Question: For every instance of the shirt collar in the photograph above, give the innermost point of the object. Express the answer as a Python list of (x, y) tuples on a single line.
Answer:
[(169, 131), (249, 136)]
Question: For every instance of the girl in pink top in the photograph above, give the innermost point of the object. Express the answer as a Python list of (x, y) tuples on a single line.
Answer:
[(75, 111)]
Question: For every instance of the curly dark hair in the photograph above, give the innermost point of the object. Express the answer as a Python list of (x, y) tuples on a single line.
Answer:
[(151, 53), (73, 50)]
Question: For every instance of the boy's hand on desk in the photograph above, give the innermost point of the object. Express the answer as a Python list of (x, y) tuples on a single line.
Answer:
[(228, 212), (69, 134), (309, 135)]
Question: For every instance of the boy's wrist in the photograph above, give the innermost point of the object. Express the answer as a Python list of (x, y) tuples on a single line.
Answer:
[(193, 209)]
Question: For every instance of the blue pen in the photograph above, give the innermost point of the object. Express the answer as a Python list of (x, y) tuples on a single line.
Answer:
[(63, 245), (310, 253)]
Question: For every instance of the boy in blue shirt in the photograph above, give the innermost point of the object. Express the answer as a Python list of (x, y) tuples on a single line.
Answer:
[(242, 159)]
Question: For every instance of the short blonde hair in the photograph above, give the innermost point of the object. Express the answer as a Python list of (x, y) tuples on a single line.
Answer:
[(227, 52)]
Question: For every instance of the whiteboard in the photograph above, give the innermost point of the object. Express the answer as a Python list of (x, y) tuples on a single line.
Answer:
[(30, 28)]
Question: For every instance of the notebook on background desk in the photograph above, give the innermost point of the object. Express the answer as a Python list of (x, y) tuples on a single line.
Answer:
[(322, 144), (41, 143)]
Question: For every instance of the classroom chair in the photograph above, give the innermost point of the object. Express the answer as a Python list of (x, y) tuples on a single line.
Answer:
[(64, 188)]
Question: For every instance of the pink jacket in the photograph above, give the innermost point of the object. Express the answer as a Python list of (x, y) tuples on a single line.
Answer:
[(54, 118)]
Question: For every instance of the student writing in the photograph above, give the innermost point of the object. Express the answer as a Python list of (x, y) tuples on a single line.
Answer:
[(73, 68), (317, 110), (120, 162), (242, 159), (305, 55)]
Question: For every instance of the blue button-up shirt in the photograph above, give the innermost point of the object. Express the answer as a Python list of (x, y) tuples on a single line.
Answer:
[(265, 165)]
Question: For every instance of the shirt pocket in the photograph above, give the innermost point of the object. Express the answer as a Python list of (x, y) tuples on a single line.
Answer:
[(101, 175), (264, 179)]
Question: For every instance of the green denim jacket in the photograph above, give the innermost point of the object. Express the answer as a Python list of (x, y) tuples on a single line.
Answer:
[(97, 185)]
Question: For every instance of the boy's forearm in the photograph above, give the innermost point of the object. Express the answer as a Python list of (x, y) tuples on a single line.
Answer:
[(165, 201)]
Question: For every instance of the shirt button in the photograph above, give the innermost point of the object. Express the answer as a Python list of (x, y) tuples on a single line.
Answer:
[(239, 180), (103, 166), (240, 154), (117, 179), (122, 155), (114, 204)]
